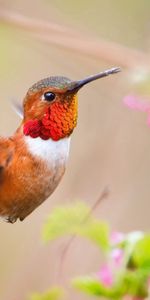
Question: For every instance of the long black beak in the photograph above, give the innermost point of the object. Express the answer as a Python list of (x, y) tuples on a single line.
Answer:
[(76, 85)]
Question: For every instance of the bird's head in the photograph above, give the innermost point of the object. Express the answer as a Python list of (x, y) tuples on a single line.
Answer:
[(51, 106)]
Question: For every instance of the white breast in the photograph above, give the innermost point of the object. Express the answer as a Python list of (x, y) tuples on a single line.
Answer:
[(48, 150)]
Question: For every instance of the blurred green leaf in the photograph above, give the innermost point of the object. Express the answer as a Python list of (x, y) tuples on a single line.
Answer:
[(53, 294), (75, 219), (129, 283), (90, 286), (65, 220), (135, 283), (141, 253), (97, 232), (94, 287)]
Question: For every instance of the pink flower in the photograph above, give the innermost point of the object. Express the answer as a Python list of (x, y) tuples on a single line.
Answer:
[(135, 102), (117, 256), (116, 238), (105, 275), (148, 120)]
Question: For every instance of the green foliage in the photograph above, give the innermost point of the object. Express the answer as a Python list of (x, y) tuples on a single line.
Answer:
[(97, 232), (90, 286), (64, 220), (53, 294), (141, 253), (134, 283), (75, 219), (129, 283), (93, 287), (127, 276)]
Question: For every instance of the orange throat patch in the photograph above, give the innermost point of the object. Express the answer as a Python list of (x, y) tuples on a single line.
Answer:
[(59, 121)]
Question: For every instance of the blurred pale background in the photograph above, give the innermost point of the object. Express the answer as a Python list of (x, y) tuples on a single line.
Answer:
[(111, 144)]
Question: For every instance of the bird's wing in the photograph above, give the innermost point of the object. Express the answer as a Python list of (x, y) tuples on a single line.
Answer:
[(6, 153)]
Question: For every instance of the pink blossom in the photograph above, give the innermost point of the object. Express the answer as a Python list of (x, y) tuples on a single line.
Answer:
[(116, 238), (135, 102), (105, 275), (148, 120), (117, 256)]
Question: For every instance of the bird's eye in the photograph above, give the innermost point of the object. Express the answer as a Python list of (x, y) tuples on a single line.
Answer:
[(49, 96)]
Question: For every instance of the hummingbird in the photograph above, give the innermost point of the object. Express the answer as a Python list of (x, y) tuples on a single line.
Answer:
[(33, 160)]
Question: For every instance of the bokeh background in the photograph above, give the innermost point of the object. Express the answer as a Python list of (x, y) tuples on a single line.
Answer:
[(111, 144)]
